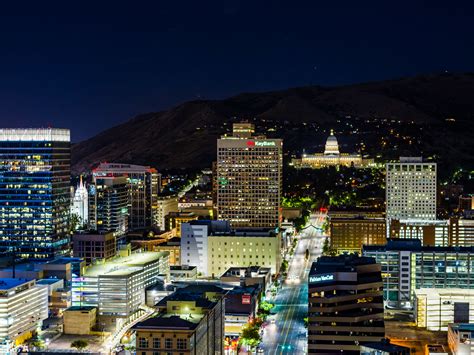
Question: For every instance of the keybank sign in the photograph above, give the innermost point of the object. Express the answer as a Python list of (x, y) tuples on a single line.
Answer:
[(260, 143), (321, 278)]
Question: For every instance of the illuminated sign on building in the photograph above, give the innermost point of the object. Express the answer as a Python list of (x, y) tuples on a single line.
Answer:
[(245, 299), (260, 143), (321, 278)]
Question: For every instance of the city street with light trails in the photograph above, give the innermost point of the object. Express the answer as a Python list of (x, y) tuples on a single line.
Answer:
[(288, 333)]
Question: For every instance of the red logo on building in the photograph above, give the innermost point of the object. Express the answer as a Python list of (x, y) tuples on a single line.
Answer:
[(245, 299), (250, 143)]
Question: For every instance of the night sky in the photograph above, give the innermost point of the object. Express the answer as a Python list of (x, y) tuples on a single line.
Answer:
[(90, 66)]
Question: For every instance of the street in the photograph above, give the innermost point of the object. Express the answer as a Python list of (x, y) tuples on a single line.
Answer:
[(288, 334)]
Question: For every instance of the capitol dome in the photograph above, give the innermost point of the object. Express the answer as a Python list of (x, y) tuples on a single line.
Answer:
[(332, 147)]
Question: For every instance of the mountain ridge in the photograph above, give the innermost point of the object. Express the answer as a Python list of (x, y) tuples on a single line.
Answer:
[(184, 136)]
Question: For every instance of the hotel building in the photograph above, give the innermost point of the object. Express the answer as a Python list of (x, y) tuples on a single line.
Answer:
[(411, 189), (143, 184), (249, 178), (190, 321), (23, 307), (34, 192), (345, 304)]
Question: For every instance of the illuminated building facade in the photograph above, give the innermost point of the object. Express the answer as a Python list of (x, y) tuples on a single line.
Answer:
[(117, 287), (353, 230), (143, 184), (331, 157), (249, 178), (34, 192), (436, 308), (408, 266), (23, 307), (108, 206), (345, 304), (411, 190)]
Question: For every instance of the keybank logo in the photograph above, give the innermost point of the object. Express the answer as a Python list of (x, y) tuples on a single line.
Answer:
[(260, 144)]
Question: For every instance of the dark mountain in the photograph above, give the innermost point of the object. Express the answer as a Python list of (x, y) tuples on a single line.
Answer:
[(185, 136)]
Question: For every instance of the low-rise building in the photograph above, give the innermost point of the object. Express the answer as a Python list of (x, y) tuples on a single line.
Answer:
[(243, 247), (94, 246), (353, 230), (248, 276), (194, 240), (190, 321), (172, 246), (59, 298), (165, 205), (241, 305), (117, 287), (174, 220), (183, 273), (461, 338), (79, 320), (436, 308), (23, 307)]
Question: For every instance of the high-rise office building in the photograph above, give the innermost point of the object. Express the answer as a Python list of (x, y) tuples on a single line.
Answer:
[(249, 178), (34, 192), (411, 189), (143, 186), (345, 304), (108, 205)]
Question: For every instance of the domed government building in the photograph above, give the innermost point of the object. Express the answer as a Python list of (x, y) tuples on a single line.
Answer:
[(331, 157)]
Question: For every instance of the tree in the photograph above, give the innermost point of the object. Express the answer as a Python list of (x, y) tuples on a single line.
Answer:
[(266, 307), (250, 336), (37, 344), (79, 344), (326, 246), (284, 266)]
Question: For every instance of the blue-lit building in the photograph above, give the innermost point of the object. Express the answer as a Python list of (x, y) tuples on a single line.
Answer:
[(34, 192)]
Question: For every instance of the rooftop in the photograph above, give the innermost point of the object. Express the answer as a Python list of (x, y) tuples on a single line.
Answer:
[(8, 283), (122, 266), (386, 346), (169, 322), (340, 263), (48, 281), (463, 327), (396, 244)]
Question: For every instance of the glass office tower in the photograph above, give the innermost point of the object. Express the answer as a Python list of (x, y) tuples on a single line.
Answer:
[(34, 192)]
